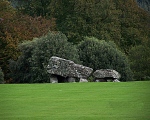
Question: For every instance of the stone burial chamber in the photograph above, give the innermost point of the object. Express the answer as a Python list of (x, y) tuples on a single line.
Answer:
[(62, 70), (105, 75)]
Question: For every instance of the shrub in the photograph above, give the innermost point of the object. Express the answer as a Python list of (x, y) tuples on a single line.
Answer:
[(104, 55), (30, 66)]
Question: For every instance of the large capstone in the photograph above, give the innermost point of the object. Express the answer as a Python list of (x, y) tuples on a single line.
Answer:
[(82, 71), (60, 66), (104, 74), (67, 68)]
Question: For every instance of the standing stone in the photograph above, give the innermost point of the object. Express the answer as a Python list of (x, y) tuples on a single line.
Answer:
[(116, 80), (53, 79), (96, 80), (71, 79)]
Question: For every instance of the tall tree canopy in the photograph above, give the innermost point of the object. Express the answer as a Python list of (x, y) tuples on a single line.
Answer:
[(15, 28), (121, 21)]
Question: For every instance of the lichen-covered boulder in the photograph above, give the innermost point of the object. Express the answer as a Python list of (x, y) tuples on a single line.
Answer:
[(82, 71), (67, 68), (60, 66), (106, 73)]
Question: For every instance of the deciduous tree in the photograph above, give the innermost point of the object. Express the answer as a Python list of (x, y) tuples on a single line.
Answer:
[(104, 55), (15, 28), (30, 66), (140, 62)]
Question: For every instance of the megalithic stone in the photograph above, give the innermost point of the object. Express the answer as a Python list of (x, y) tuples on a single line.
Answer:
[(60, 66), (67, 68), (106, 73)]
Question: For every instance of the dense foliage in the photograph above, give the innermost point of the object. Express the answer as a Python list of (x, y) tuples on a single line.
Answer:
[(104, 55), (31, 65), (16, 27), (1, 76), (120, 21), (140, 62)]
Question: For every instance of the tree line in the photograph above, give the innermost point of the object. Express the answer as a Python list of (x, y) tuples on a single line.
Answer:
[(121, 22)]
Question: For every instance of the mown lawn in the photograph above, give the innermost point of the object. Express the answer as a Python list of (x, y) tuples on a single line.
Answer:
[(75, 101)]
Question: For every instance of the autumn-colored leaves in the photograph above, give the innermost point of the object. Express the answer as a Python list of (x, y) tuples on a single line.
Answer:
[(15, 28)]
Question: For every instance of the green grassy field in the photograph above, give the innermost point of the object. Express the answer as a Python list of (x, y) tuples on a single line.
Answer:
[(75, 101)]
